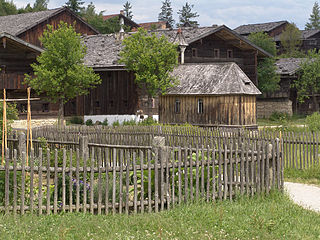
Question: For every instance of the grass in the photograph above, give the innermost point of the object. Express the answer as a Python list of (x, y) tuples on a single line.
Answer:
[(291, 121), (270, 217), (308, 176)]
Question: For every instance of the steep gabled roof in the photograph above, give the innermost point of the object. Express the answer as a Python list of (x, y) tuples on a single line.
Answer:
[(19, 23), (258, 27), (20, 42), (211, 79)]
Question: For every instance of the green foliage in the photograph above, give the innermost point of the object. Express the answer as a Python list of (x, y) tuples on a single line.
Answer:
[(264, 41), (148, 122), (12, 114), (105, 122), (279, 116), (166, 13), (127, 10), (75, 5), (309, 82), (310, 175), (59, 72), (314, 19), (152, 59), (76, 120), (313, 122), (129, 123), (291, 40), (89, 122), (7, 8), (116, 123), (40, 5), (267, 77), (186, 14)]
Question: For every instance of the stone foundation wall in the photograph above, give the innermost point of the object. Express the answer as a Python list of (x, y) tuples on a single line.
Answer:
[(266, 107)]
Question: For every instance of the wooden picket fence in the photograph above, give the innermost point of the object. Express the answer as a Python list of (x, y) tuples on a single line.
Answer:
[(130, 179), (300, 149)]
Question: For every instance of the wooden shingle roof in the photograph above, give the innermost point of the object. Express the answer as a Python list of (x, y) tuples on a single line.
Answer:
[(212, 79), (103, 50), (258, 27), (288, 66), (19, 23)]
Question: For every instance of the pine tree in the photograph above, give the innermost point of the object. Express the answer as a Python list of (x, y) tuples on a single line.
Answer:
[(186, 14), (127, 10), (75, 5), (314, 19), (166, 13), (40, 5)]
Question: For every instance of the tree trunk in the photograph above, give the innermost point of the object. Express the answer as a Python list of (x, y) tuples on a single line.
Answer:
[(315, 103), (61, 113)]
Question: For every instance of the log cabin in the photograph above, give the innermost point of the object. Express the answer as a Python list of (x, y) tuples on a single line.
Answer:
[(118, 97), (19, 47)]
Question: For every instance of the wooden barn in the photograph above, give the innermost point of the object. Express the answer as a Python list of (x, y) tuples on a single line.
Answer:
[(118, 97), (19, 47), (210, 94)]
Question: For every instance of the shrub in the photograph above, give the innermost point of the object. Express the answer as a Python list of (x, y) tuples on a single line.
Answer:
[(116, 124), (76, 120), (89, 122), (129, 122), (279, 116), (105, 122), (12, 114), (148, 121), (313, 122)]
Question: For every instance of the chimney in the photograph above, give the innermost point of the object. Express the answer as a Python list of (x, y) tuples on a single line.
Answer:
[(182, 43), (121, 28), (122, 12)]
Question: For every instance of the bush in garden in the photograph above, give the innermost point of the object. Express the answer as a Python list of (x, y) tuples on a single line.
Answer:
[(76, 120), (116, 123), (148, 121), (313, 122), (279, 116), (105, 122), (89, 122)]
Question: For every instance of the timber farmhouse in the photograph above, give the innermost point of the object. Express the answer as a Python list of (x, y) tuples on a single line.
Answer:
[(222, 93)]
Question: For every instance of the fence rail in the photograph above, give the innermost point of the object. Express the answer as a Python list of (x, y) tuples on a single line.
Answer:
[(120, 180)]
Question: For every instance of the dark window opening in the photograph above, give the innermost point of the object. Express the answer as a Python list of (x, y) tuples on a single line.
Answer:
[(45, 107), (111, 103), (177, 106), (229, 53), (200, 106), (125, 103), (97, 104), (216, 53), (194, 52)]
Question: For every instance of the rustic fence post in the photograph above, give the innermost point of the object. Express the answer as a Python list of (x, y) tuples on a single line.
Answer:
[(268, 180), (159, 144), (83, 145), (22, 147)]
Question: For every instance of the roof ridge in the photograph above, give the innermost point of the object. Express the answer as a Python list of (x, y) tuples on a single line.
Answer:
[(30, 13)]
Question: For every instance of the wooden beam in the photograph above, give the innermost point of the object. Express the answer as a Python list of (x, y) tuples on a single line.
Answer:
[(21, 100)]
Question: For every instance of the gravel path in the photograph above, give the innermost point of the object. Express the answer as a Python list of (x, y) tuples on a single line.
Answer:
[(307, 196)]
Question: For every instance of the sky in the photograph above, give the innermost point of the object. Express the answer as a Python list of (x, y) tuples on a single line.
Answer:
[(231, 13)]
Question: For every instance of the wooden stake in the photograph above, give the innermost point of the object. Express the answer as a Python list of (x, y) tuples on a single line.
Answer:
[(3, 125), (29, 130)]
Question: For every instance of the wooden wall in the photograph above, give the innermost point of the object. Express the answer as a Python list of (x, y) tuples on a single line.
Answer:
[(117, 94), (218, 110), (247, 60), (33, 34)]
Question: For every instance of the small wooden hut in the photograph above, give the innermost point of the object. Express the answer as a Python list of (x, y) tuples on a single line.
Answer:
[(210, 94)]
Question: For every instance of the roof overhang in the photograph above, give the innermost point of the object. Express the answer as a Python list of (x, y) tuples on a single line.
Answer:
[(19, 41), (239, 41)]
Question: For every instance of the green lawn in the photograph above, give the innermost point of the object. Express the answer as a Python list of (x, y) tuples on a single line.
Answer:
[(272, 217), (294, 120), (308, 176)]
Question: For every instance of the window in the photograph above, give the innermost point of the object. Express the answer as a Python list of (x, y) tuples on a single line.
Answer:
[(194, 52), (45, 107), (229, 53), (200, 106), (216, 53), (177, 106)]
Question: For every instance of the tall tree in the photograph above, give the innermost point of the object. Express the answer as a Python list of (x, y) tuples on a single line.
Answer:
[(59, 72), (308, 85), (7, 8), (40, 5), (291, 41), (75, 5), (314, 19), (186, 14), (268, 79), (151, 58), (166, 13), (127, 10)]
